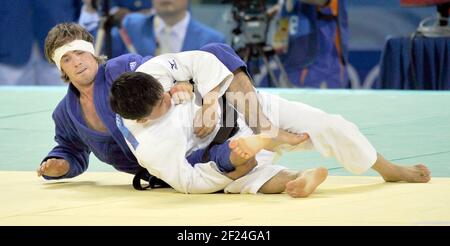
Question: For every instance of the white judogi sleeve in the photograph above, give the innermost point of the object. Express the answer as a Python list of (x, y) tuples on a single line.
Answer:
[(203, 68), (161, 149)]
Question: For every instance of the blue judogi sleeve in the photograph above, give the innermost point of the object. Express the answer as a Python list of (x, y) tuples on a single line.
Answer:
[(199, 34), (124, 63), (69, 146), (226, 55)]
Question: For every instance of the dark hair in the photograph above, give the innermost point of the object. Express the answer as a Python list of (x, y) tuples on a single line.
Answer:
[(134, 94)]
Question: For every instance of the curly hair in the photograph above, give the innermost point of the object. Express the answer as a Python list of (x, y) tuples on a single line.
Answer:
[(62, 34)]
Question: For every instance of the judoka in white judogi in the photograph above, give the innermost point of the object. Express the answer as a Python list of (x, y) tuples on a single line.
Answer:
[(161, 145)]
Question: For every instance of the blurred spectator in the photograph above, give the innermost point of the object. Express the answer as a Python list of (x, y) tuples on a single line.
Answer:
[(25, 24), (312, 37), (89, 17), (170, 29), (118, 9)]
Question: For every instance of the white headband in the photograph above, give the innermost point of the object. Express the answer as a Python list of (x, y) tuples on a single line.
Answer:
[(74, 45)]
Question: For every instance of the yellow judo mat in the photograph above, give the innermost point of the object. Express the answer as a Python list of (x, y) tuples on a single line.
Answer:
[(105, 198), (406, 127)]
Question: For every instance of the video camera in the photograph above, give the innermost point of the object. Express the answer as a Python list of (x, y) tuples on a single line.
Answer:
[(252, 22), (249, 39)]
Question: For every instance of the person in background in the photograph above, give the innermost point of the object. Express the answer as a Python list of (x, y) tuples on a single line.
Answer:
[(171, 29), (89, 17), (24, 27), (312, 38), (118, 9)]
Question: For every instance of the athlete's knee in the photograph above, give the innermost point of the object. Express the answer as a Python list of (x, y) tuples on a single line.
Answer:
[(341, 123), (332, 125)]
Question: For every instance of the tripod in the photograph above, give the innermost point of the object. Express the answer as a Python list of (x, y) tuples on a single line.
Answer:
[(254, 52), (104, 29)]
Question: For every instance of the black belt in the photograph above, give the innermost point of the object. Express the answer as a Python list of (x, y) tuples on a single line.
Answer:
[(153, 182), (225, 132)]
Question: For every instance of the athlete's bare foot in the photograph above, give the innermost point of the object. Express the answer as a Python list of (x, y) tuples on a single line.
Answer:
[(414, 174), (394, 173), (285, 137), (247, 147), (307, 182)]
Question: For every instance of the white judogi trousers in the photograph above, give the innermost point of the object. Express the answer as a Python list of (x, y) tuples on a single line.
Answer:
[(330, 135)]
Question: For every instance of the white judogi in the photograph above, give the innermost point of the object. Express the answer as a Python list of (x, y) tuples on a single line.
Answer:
[(164, 142)]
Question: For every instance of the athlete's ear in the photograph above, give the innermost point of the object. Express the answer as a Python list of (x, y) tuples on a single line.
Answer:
[(64, 76), (142, 121)]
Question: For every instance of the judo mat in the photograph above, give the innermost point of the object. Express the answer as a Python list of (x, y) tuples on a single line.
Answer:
[(407, 127)]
